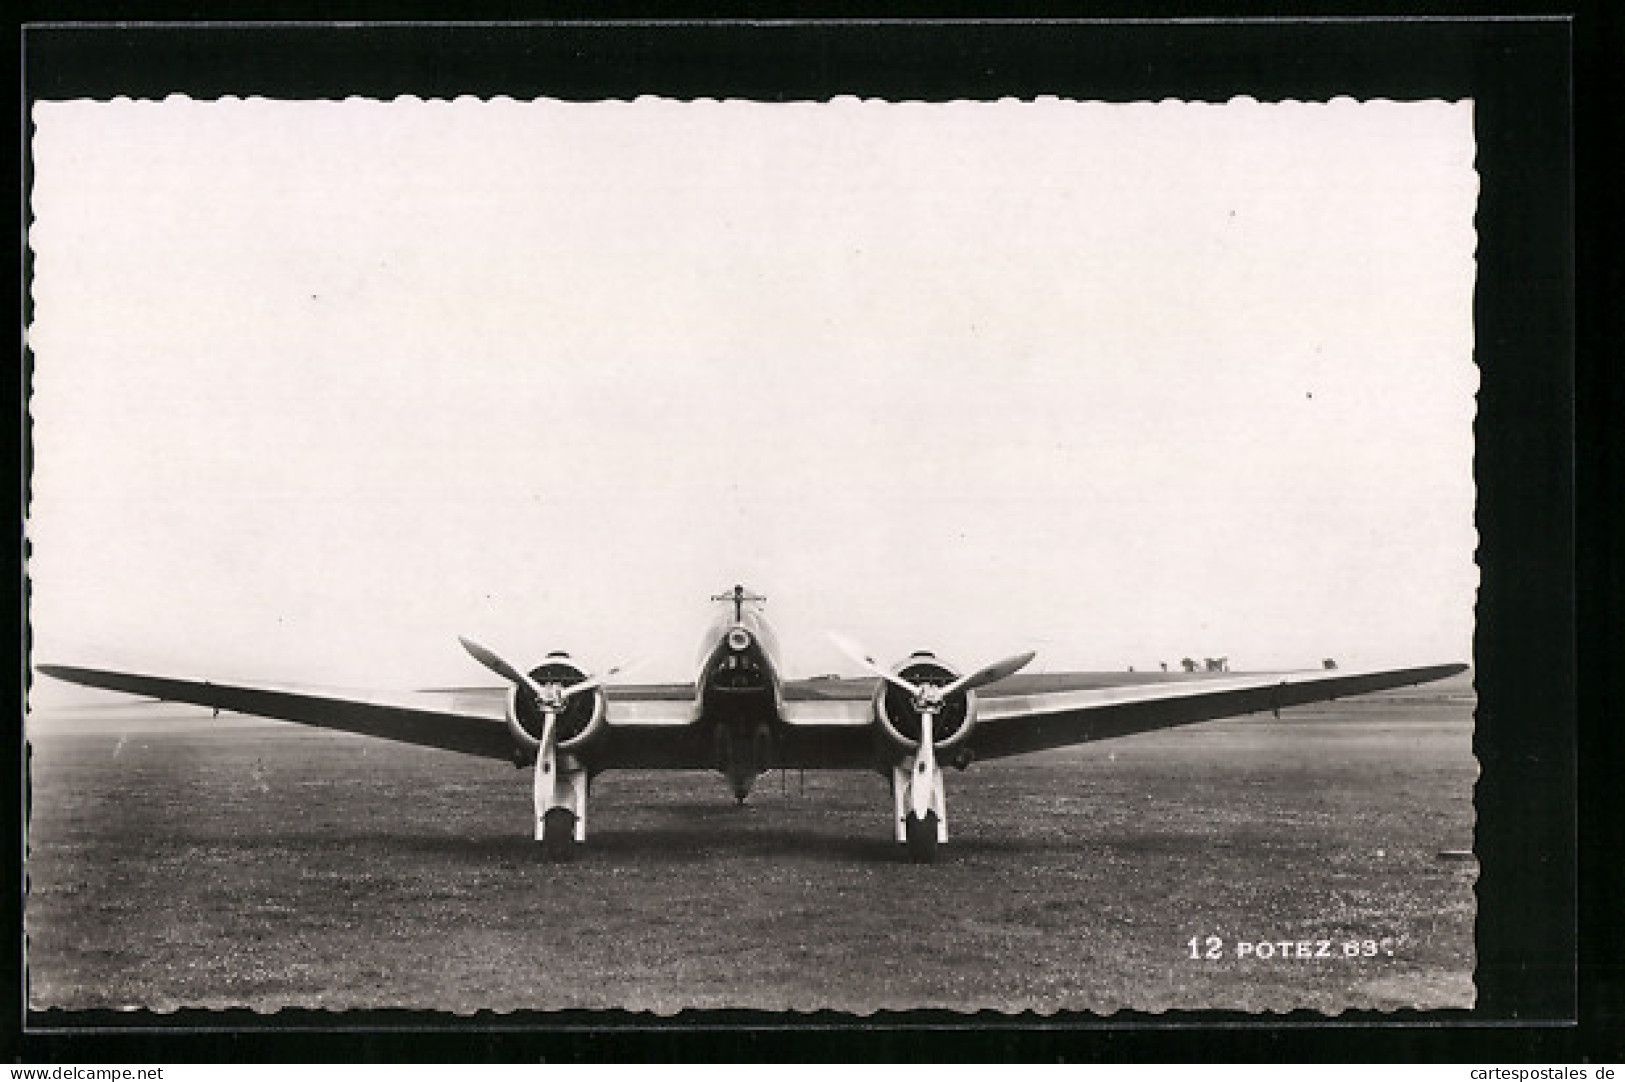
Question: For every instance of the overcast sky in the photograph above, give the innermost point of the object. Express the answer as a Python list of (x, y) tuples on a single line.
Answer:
[(320, 386)]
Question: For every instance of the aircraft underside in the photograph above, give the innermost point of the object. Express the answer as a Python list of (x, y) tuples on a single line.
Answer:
[(742, 743)]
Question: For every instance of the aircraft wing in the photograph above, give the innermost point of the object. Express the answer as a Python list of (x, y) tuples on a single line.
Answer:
[(1015, 724), (828, 724), (470, 721), (832, 732)]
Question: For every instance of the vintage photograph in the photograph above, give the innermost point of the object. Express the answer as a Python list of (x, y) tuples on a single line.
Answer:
[(865, 555)]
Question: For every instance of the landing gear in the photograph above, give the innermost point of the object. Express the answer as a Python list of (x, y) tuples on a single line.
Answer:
[(922, 837), (559, 834), (560, 794), (921, 826)]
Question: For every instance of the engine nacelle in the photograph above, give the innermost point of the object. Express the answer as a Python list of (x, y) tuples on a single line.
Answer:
[(581, 720), (900, 722)]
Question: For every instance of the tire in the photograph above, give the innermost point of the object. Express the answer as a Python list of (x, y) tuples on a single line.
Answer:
[(559, 834), (922, 838)]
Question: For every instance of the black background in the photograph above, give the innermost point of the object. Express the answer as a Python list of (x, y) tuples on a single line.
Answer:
[(1545, 650)]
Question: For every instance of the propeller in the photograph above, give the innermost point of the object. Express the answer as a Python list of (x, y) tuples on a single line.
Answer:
[(551, 697), (929, 695)]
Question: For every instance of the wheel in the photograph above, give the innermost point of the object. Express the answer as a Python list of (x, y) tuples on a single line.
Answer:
[(922, 837), (559, 833)]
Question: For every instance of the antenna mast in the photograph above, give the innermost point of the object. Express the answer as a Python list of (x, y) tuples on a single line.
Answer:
[(738, 596)]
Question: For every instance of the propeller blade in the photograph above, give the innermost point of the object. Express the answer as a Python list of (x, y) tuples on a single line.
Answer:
[(491, 661), (497, 665), (598, 681), (586, 685), (857, 654), (990, 674)]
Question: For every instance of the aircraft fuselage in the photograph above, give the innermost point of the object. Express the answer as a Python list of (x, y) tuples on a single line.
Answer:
[(740, 692)]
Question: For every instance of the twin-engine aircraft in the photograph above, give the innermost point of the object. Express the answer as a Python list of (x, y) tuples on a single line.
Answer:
[(742, 718)]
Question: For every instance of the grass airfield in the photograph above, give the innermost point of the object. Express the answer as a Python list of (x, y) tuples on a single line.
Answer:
[(179, 861)]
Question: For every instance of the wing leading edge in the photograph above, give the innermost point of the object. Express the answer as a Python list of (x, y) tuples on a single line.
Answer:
[(645, 726), (1019, 724), (470, 729)]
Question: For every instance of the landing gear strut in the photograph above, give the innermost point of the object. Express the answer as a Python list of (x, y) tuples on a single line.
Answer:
[(560, 793), (921, 817)]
